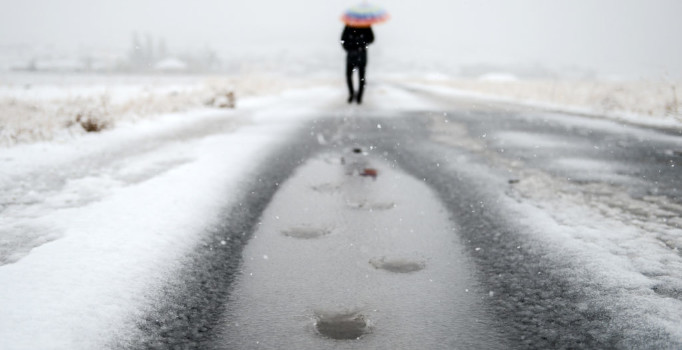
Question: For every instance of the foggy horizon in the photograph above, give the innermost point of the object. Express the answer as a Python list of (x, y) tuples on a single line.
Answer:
[(614, 38)]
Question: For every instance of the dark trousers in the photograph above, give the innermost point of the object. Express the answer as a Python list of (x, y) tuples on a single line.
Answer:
[(349, 80), (356, 59)]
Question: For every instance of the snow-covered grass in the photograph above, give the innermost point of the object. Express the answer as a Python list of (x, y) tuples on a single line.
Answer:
[(645, 102), (44, 107)]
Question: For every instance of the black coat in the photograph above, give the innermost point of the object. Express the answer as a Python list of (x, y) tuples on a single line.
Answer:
[(356, 39)]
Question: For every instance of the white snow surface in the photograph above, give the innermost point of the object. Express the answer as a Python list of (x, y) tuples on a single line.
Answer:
[(118, 209), (628, 247), (647, 104), (90, 223)]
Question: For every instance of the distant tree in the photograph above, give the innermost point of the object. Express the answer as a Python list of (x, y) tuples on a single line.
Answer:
[(136, 56), (149, 51), (162, 51)]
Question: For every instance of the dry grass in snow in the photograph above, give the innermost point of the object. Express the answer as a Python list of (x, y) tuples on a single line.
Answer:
[(653, 100), (45, 110)]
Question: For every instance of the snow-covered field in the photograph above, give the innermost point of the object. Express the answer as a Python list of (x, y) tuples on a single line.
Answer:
[(126, 202), (649, 103), (57, 107)]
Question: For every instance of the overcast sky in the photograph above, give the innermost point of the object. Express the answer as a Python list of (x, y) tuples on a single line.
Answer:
[(615, 37)]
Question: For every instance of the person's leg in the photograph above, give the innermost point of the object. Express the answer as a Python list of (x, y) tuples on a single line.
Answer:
[(349, 81), (361, 89)]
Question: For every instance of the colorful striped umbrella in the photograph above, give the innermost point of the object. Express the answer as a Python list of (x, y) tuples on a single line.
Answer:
[(364, 15)]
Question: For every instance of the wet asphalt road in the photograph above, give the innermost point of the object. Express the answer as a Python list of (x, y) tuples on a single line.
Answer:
[(467, 157)]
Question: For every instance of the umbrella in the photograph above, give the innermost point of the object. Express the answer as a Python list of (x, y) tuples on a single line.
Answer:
[(364, 15)]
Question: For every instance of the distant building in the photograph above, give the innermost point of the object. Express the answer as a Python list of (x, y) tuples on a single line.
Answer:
[(170, 65)]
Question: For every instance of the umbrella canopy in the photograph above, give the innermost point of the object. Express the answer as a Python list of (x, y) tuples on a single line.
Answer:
[(364, 15)]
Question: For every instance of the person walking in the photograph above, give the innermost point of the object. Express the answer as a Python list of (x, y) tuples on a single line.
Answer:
[(355, 41)]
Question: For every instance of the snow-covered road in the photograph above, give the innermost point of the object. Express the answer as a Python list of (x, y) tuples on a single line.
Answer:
[(486, 226), (339, 255)]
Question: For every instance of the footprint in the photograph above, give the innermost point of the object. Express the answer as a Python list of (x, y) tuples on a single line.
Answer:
[(306, 232), (334, 160), (364, 205), (341, 325), (398, 265), (326, 188)]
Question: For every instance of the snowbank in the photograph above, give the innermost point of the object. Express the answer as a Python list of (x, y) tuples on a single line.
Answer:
[(119, 210)]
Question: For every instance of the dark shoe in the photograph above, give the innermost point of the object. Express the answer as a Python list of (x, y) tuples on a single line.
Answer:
[(351, 98), (359, 99)]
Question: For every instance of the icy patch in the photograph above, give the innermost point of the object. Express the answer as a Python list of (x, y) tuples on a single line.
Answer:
[(530, 140), (385, 97), (592, 170), (452, 133)]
